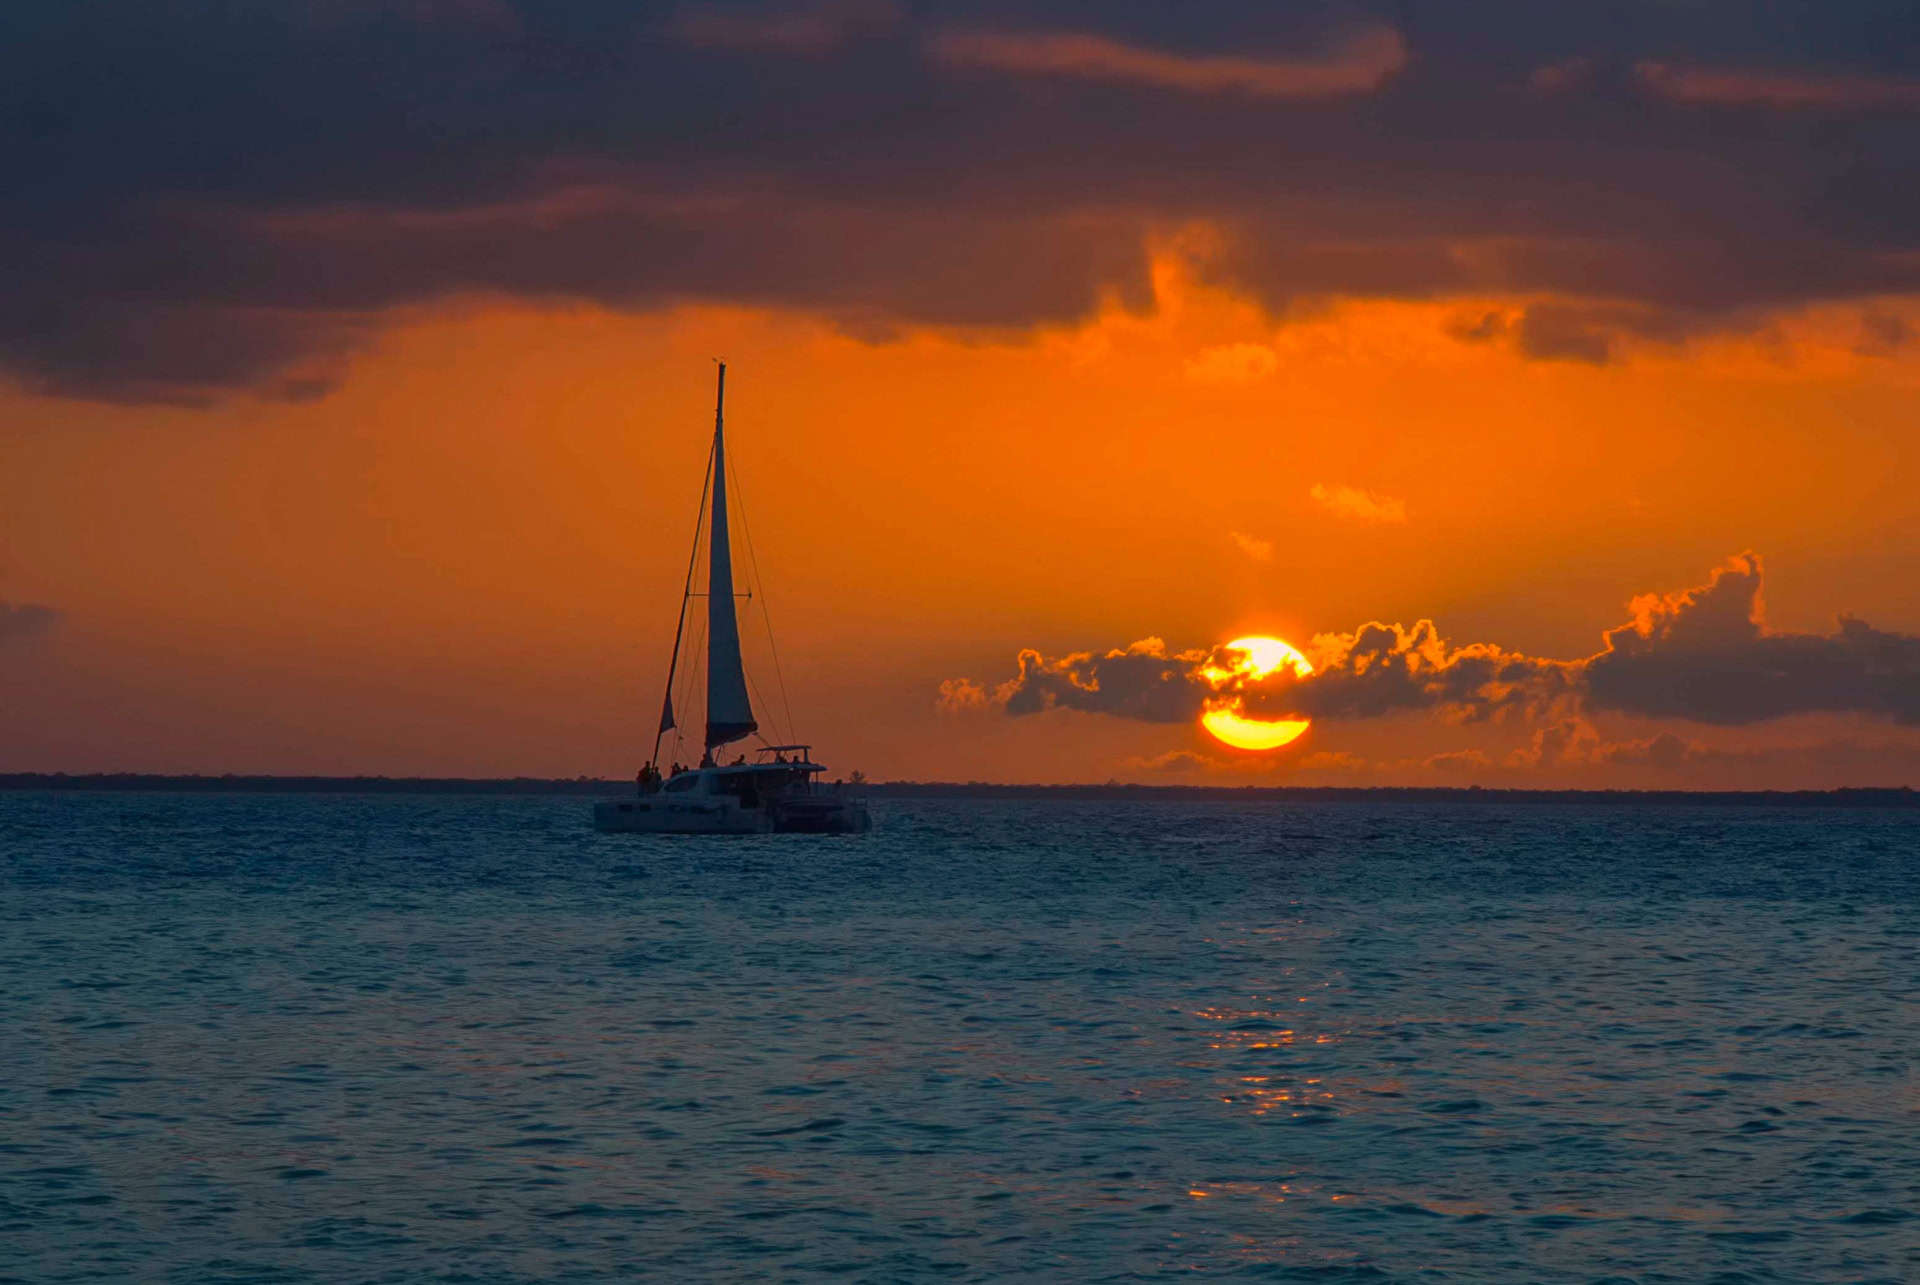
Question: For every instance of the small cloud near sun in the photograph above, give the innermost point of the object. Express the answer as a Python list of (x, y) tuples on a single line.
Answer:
[(963, 696), (1232, 364), (1361, 506), (1253, 546)]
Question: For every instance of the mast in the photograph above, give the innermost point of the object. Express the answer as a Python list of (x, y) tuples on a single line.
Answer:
[(729, 715)]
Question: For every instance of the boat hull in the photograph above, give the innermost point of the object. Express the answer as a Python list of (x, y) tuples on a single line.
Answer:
[(650, 814), (820, 815), (653, 814)]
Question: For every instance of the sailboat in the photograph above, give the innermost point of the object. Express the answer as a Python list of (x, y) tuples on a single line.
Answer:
[(780, 789)]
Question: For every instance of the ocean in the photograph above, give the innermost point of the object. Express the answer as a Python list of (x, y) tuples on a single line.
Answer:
[(307, 1037)]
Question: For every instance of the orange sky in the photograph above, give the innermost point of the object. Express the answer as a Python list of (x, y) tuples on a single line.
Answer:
[(466, 558)]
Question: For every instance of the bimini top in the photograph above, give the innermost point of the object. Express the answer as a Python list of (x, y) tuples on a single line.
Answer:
[(734, 769), (686, 779), (780, 758), (772, 759)]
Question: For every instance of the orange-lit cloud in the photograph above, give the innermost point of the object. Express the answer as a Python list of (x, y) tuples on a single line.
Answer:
[(1236, 363), (1557, 77), (1357, 64), (1755, 87), (1176, 761), (963, 696), (1357, 504), (1253, 546)]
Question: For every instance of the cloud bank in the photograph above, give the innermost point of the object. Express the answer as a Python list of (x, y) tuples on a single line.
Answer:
[(1704, 655), (210, 197)]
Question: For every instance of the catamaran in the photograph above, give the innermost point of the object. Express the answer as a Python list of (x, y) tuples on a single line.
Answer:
[(779, 790)]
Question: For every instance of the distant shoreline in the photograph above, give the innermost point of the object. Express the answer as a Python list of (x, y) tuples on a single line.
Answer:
[(1876, 797)]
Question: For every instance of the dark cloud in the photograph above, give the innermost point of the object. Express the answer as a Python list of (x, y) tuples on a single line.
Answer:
[(1707, 656), (1564, 334), (1389, 669), (1478, 327), (1881, 334), (22, 620), (1143, 681), (1596, 333), (203, 196), (798, 28), (215, 299), (1704, 655)]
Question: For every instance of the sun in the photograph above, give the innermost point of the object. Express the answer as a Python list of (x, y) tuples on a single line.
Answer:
[(1259, 656)]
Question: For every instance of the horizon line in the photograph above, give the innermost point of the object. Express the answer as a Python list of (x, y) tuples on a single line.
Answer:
[(262, 783)]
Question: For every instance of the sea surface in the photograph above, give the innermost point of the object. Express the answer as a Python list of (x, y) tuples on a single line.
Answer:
[(431, 1038)]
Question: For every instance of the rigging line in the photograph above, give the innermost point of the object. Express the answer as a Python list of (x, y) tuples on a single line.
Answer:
[(693, 557), (691, 676), (766, 616), (754, 688), (690, 683)]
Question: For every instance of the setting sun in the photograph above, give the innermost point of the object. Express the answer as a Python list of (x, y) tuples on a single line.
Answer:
[(1259, 656)]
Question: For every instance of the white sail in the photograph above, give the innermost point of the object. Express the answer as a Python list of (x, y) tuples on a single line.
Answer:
[(729, 716)]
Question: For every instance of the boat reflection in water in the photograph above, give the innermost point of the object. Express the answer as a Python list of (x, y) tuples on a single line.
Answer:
[(779, 791)]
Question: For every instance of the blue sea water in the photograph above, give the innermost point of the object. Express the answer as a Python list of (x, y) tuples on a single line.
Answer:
[(433, 1038)]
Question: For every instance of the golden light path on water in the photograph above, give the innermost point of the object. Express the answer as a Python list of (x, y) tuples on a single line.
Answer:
[(1226, 719)]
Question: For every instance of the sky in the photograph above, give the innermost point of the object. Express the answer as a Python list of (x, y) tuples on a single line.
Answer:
[(1545, 373)]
